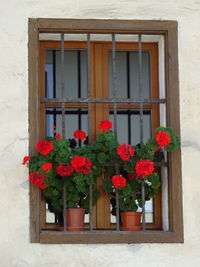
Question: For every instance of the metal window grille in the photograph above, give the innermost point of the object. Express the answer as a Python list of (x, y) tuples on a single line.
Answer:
[(141, 101)]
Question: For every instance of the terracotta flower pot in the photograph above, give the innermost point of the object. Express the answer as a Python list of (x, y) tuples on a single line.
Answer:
[(131, 221), (75, 220)]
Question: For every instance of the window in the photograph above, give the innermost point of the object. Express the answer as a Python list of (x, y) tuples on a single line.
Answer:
[(44, 111)]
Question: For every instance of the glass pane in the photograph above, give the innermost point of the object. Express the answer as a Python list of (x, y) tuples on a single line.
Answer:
[(148, 211), (134, 74), (121, 74), (127, 74), (75, 73), (128, 126), (74, 119), (135, 127)]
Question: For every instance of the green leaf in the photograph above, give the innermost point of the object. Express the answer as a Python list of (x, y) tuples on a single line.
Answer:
[(127, 190), (108, 186)]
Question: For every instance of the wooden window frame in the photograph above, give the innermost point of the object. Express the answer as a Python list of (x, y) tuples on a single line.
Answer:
[(169, 29), (99, 89)]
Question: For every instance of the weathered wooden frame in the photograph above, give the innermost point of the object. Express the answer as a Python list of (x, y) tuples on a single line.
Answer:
[(169, 29)]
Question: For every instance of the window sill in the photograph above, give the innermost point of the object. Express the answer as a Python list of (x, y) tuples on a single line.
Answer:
[(109, 237)]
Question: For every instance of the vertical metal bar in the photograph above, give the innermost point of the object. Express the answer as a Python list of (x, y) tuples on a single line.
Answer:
[(128, 93), (54, 73), (115, 118), (54, 83), (143, 207), (89, 122), (141, 124), (114, 82), (63, 124), (79, 124), (79, 88), (140, 89), (128, 73), (79, 72), (129, 126)]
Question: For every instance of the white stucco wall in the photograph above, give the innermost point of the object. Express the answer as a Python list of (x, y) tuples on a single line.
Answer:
[(15, 248)]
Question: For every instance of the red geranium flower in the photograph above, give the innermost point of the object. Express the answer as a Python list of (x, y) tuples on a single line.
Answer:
[(47, 166), (144, 168), (163, 138), (79, 134), (132, 175), (37, 179), (105, 125), (118, 181), (44, 147), (64, 170), (58, 136), (25, 159), (81, 164), (78, 161), (125, 151), (85, 168)]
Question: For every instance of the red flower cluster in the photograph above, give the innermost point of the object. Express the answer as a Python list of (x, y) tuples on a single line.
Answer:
[(163, 138), (37, 179), (47, 166), (105, 125), (64, 170), (79, 134), (25, 159), (118, 181), (144, 168), (81, 164), (125, 151), (58, 136), (44, 147)]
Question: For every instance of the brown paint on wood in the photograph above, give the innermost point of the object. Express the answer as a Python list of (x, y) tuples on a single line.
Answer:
[(172, 81), (33, 126), (111, 26), (112, 237)]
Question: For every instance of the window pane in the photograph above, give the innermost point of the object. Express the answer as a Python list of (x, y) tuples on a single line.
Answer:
[(75, 73), (127, 74), (128, 125), (74, 119)]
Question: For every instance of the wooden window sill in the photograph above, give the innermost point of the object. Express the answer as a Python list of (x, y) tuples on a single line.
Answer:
[(109, 237)]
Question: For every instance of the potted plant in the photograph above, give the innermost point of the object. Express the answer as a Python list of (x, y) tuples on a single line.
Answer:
[(136, 166), (61, 163)]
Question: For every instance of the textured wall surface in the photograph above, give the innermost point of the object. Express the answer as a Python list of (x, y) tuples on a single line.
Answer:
[(15, 248)]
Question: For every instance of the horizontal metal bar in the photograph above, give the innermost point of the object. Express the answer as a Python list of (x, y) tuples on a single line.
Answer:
[(105, 100), (56, 111)]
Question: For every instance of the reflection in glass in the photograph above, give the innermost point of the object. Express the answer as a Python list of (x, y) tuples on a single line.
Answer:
[(128, 125), (127, 74), (75, 73), (75, 119)]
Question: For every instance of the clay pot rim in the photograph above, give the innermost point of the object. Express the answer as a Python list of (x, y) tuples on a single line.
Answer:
[(75, 209), (131, 212)]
